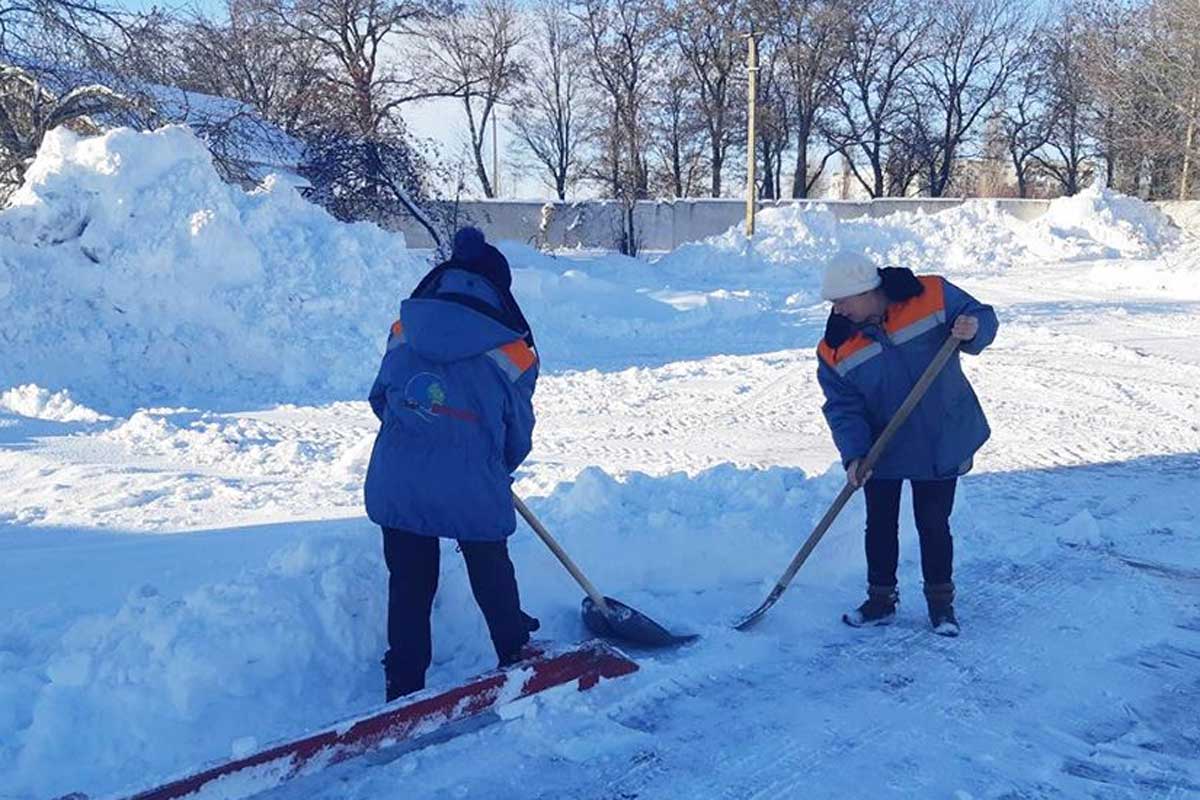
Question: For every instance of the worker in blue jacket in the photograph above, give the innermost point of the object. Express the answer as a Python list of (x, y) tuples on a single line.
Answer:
[(884, 330), (454, 397)]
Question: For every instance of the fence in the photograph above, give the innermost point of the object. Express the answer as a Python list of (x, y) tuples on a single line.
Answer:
[(664, 225)]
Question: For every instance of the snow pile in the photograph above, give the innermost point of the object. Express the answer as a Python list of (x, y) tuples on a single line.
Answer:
[(299, 639), (37, 403), (289, 641), (131, 274), (792, 243), (1099, 223), (679, 535), (789, 247), (612, 308), (976, 238)]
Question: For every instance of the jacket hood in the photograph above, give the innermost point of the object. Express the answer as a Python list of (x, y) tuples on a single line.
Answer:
[(444, 330)]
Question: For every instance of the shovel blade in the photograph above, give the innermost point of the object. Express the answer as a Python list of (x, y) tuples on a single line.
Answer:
[(750, 620), (629, 625)]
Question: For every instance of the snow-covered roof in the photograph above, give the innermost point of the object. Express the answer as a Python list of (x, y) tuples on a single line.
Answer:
[(233, 129)]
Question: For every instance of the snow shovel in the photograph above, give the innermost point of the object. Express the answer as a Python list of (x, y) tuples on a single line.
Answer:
[(865, 467), (605, 616)]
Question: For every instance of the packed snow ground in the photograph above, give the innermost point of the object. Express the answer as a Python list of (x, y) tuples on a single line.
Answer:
[(185, 571)]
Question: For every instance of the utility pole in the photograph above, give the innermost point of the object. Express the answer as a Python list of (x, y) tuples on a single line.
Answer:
[(495, 151), (751, 149)]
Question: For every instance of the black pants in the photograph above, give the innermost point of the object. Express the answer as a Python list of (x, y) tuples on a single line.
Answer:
[(412, 563), (932, 503)]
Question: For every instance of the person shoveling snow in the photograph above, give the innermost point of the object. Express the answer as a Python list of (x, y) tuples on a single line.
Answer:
[(885, 327), (454, 398)]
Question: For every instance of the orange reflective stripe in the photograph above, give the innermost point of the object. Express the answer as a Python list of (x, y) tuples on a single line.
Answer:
[(397, 328), (848, 348), (930, 301), (922, 309), (520, 354), (827, 354)]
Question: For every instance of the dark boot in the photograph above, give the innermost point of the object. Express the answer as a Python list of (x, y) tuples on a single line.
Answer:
[(879, 609), (940, 597), (526, 650), (399, 681)]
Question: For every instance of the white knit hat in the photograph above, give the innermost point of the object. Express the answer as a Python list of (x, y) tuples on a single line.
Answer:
[(848, 273)]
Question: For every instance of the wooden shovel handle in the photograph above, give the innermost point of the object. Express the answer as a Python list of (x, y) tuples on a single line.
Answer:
[(555, 548), (914, 396), (885, 438)]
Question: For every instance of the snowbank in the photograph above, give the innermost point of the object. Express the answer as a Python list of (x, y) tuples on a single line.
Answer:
[(792, 243), (132, 275), (1100, 223), (290, 641), (299, 637)]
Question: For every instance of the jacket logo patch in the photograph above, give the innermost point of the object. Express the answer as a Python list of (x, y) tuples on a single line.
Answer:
[(425, 396)]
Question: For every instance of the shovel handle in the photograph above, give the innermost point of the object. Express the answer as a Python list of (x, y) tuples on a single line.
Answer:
[(914, 396), (561, 554)]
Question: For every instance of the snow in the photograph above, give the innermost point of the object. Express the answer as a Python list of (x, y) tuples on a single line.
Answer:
[(37, 403), (185, 571), (134, 276), (1104, 224)]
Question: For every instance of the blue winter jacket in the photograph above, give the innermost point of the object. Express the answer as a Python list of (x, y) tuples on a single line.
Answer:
[(455, 399), (867, 377)]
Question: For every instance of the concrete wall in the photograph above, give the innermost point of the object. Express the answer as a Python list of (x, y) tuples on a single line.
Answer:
[(666, 225)]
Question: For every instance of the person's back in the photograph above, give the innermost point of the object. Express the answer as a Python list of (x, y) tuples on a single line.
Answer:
[(454, 400)]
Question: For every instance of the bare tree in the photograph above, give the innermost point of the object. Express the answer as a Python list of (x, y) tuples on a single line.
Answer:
[(886, 45), (63, 32), (774, 125), (1066, 150), (813, 44), (1028, 115), (1108, 50), (364, 73), (706, 34), (251, 57), (622, 38), (349, 175), (477, 48), (1170, 71), (678, 131), (974, 49), (911, 153), (546, 121)]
